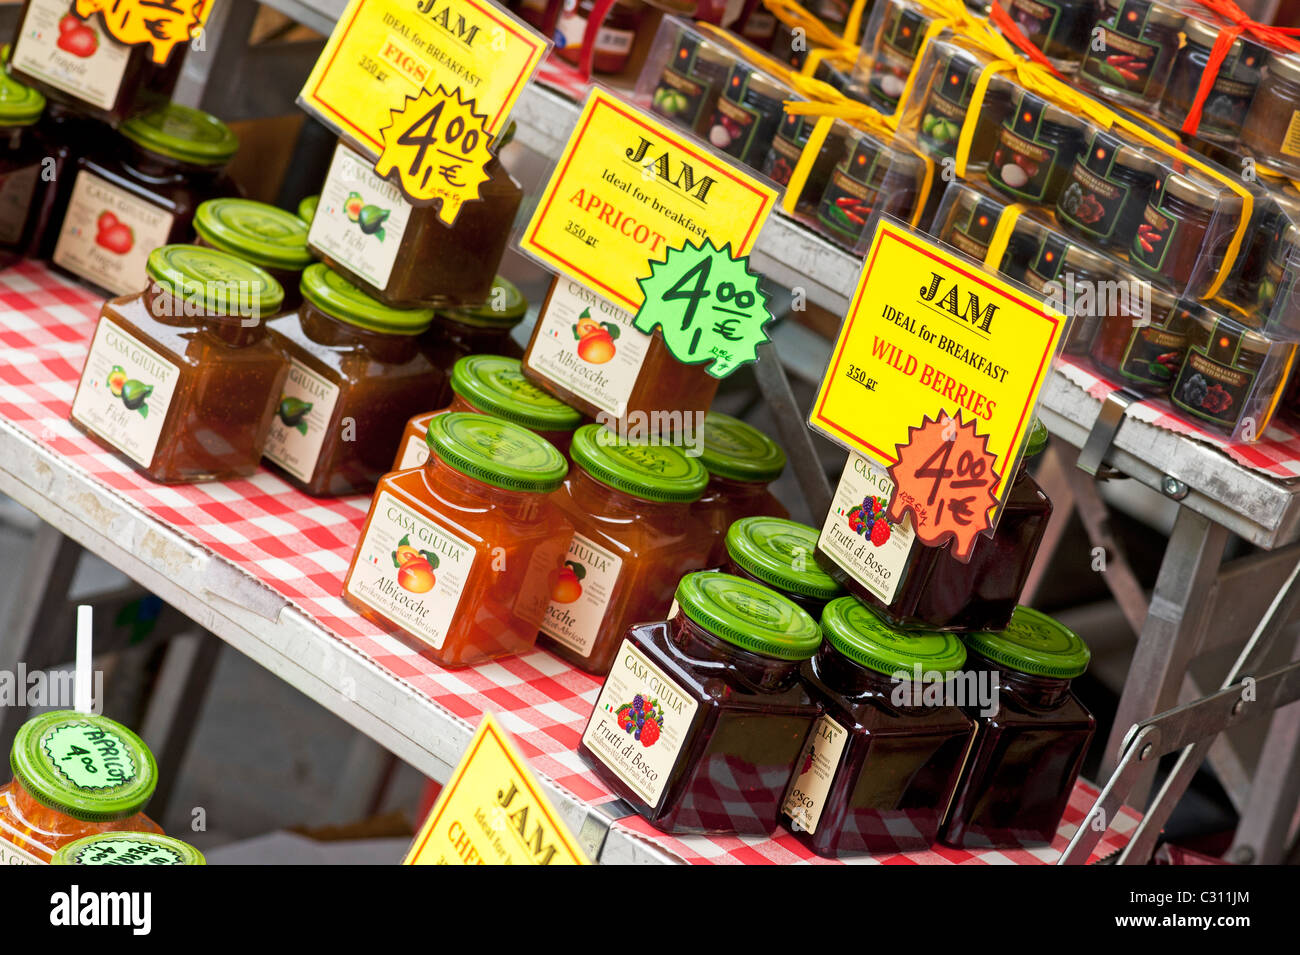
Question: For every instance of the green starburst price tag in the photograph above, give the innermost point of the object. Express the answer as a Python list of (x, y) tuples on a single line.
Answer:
[(709, 306)]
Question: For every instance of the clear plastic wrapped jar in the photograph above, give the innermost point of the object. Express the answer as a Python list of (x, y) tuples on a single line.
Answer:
[(1228, 102), (1035, 150), (1131, 63)]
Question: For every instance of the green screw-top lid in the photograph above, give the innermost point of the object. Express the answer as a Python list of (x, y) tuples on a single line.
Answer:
[(85, 766), (262, 234), (128, 848), (225, 284), (20, 105), (496, 385), (1034, 643), (748, 615), (496, 452), (307, 209), (504, 307), (780, 553), (738, 451), (855, 631), (337, 297), (652, 472), (181, 132), (1037, 439)]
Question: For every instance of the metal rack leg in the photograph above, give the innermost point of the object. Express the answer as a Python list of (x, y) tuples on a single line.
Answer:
[(794, 433)]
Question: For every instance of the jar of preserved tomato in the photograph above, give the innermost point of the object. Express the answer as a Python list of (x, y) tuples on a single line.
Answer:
[(1234, 86), (142, 194), (872, 177), (634, 538), (781, 554), (913, 586), (1035, 150), (1143, 352), (1106, 190), (74, 61), (1139, 40), (128, 848), (75, 775), (702, 717), (493, 384), (1060, 28), (475, 528), (748, 111), (21, 157), (742, 463), (477, 330), (1175, 230), (690, 82), (880, 766), (614, 38), (182, 379), (1027, 752), (405, 255), (1271, 128), (586, 352), (356, 374), (259, 233)]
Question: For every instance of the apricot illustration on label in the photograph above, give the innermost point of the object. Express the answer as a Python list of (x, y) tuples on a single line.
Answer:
[(569, 587), (595, 339), (414, 567), (292, 413)]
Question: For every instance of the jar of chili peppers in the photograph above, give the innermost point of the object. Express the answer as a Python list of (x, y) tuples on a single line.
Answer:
[(1139, 42)]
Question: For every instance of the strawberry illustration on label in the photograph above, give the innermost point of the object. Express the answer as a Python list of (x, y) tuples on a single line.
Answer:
[(76, 37), (113, 234)]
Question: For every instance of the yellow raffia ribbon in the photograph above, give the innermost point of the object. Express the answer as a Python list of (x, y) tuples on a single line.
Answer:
[(1002, 235), (853, 25), (797, 17), (803, 168)]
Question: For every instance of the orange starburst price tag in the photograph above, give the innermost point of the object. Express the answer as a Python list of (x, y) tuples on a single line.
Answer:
[(435, 149), (162, 24), (945, 477)]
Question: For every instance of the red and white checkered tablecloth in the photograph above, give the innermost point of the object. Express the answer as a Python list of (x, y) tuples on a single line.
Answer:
[(1276, 454), (300, 547)]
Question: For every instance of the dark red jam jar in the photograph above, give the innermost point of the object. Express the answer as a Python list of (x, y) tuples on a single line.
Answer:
[(22, 155), (781, 554), (1225, 109), (1143, 352), (880, 766), (1060, 28), (1139, 40), (1027, 754), (873, 177), (1035, 150), (1106, 190), (702, 717)]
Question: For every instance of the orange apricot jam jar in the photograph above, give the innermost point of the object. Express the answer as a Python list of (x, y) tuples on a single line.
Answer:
[(742, 461), (635, 536), (128, 848), (75, 775), (474, 528)]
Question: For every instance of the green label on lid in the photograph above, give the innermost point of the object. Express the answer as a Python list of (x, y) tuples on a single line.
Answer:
[(738, 451), (128, 848), (89, 756)]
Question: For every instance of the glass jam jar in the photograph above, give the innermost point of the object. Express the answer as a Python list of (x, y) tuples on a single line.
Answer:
[(182, 379), (926, 588), (690, 82), (1060, 28), (1035, 150), (969, 221), (1139, 40), (947, 101), (1174, 229), (1143, 352), (495, 385), (77, 63), (1078, 287), (75, 775), (404, 255), (141, 194), (1232, 376), (780, 554), (879, 767), (872, 177), (787, 146), (586, 352), (894, 53), (747, 113), (742, 463), (1027, 754), (701, 719), (476, 330), (307, 208), (22, 156), (634, 538), (475, 527), (128, 848), (1106, 191), (258, 233), (614, 37), (1234, 87), (356, 374), (1271, 129)]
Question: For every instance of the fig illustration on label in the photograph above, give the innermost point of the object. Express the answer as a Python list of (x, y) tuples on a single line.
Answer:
[(133, 393), (292, 413), (368, 217), (414, 567)]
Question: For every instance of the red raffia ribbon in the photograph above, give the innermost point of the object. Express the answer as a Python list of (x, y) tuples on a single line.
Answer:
[(1002, 20), (599, 11)]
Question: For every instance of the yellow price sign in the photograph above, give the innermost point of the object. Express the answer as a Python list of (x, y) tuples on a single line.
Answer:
[(931, 335), (384, 51), (435, 149), (492, 812), (626, 190), (161, 24)]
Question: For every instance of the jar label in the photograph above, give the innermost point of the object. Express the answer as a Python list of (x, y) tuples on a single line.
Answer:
[(581, 596), (1038, 21), (849, 199), (108, 233), (733, 127), (411, 570), (1290, 145), (1021, 167), (1153, 355), (889, 73), (1211, 390), (857, 535), (1123, 61), (685, 86), (71, 54), (414, 454), (10, 854), (806, 796), (127, 852), (89, 756), (125, 392), (360, 219), (572, 347), (571, 26), (1154, 236), (1091, 203), (302, 415), (16, 191), (640, 724)]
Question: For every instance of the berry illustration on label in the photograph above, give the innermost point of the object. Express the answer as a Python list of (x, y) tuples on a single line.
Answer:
[(116, 379), (369, 218), (643, 718), (595, 339), (807, 763), (869, 520), (414, 567), (292, 412), (568, 588), (76, 38), (113, 234)]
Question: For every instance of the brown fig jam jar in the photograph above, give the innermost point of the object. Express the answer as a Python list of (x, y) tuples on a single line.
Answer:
[(1107, 189), (1140, 351), (269, 237), (478, 330), (1272, 127), (1060, 28), (880, 765), (1028, 751), (1035, 150), (1139, 40), (690, 83), (1234, 87)]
